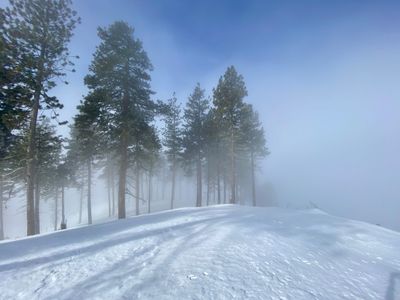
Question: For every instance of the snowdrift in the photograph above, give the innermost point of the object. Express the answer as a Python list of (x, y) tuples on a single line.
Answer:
[(220, 252)]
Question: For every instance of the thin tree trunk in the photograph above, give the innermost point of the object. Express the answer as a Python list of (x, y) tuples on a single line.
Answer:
[(179, 189), (253, 180), (81, 204), (32, 149), (208, 184), (149, 203), (173, 184), (56, 211), (142, 182), (63, 224), (224, 188), (89, 195), (157, 188), (137, 188), (199, 183), (37, 207), (122, 184), (108, 187), (213, 191), (1, 207), (233, 170), (163, 186), (113, 190), (237, 195), (218, 182)]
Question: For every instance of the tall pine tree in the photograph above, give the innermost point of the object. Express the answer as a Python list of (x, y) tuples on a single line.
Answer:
[(253, 141), (120, 69), (195, 116), (49, 147), (228, 102), (88, 139), (173, 140), (39, 30)]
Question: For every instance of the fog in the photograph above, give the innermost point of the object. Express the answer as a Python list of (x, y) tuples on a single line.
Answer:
[(332, 132), (325, 79), (105, 211)]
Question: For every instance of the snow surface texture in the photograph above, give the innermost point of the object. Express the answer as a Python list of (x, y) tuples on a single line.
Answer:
[(220, 252)]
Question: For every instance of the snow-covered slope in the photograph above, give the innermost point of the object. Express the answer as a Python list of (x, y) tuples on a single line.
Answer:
[(221, 252)]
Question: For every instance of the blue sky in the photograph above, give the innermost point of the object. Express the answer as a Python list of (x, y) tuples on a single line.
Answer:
[(190, 41), (324, 75)]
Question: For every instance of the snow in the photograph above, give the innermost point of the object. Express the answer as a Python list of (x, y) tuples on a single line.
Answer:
[(219, 252)]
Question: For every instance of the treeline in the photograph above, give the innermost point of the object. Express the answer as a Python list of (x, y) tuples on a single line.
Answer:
[(119, 131)]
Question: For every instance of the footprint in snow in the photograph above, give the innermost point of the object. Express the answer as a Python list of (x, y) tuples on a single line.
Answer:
[(193, 277)]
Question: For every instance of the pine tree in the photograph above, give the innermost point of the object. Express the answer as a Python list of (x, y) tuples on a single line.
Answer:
[(253, 139), (1, 206), (14, 95), (142, 156), (12, 166), (213, 142), (14, 108), (228, 102), (120, 70), (49, 147), (11, 177), (88, 139), (173, 140), (77, 162), (80, 156), (195, 115), (107, 166), (152, 163), (64, 177), (40, 31)]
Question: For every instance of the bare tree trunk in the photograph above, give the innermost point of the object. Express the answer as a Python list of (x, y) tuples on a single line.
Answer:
[(149, 203), (157, 187), (89, 195), (199, 183), (63, 224), (224, 178), (122, 185), (37, 206), (81, 203), (113, 190), (56, 210), (108, 187), (219, 182), (237, 197), (233, 170), (208, 185), (253, 180), (137, 188), (142, 182), (32, 149), (1, 207), (123, 151), (179, 189), (173, 183), (31, 166), (163, 185), (213, 191)]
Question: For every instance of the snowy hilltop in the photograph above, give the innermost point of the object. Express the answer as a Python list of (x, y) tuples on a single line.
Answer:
[(219, 252)]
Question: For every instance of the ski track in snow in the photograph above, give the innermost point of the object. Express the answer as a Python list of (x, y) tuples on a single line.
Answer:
[(220, 252)]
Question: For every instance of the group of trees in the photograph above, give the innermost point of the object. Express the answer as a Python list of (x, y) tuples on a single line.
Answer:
[(116, 130)]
